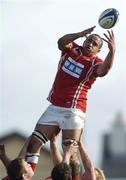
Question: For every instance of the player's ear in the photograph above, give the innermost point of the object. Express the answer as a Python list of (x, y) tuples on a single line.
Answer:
[(25, 175), (69, 46)]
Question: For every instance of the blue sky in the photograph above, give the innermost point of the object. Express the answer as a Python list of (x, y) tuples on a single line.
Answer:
[(29, 57)]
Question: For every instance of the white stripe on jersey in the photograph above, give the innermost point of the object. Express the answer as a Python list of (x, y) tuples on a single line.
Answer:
[(69, 72), (78, 91), (75, 62)]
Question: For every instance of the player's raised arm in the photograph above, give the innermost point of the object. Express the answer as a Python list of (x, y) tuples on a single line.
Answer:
[(86, 160), (107, 64), (22, 153), (55, 153), (68, 38)]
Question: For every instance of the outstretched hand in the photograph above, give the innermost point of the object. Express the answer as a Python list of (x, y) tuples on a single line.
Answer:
[(87, 31), (70, 149), (110, 39)]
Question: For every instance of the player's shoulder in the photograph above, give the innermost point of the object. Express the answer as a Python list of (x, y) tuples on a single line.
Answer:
[(98, 59), (70, 46)]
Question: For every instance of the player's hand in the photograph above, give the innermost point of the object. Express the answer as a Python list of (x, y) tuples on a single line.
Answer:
[(2, 150), (71, 149), (70, 146), (87, 31), (110, 39)]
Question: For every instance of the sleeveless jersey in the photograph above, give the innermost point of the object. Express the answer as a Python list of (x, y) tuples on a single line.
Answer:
[(76, 73)]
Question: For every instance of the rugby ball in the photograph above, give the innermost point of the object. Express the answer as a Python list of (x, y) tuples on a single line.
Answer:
[(108, 18)]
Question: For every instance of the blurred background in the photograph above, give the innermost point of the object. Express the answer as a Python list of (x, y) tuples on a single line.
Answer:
[(29, 30)]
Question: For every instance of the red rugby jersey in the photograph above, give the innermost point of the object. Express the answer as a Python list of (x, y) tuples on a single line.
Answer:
[(76, 73)]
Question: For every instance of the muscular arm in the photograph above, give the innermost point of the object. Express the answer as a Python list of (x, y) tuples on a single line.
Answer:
[(69, 151), (107, 64), (55, 153), (23, 151), (86, 160), (89, 173), (68, 38)]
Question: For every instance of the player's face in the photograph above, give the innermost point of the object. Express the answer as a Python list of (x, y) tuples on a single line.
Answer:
[(29, 172), (91, 45)]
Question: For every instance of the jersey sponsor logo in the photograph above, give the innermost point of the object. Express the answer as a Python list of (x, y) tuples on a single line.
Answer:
[(72, 67)]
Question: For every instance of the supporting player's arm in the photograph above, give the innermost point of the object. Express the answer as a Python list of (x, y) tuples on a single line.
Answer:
[(69, 151), (23, 151), (55, 153), (3, 156), (63, 42), (108, 62), (86, 160)]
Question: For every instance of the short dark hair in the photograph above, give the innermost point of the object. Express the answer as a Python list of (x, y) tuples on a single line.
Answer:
[(15, 169), (61, 171)]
